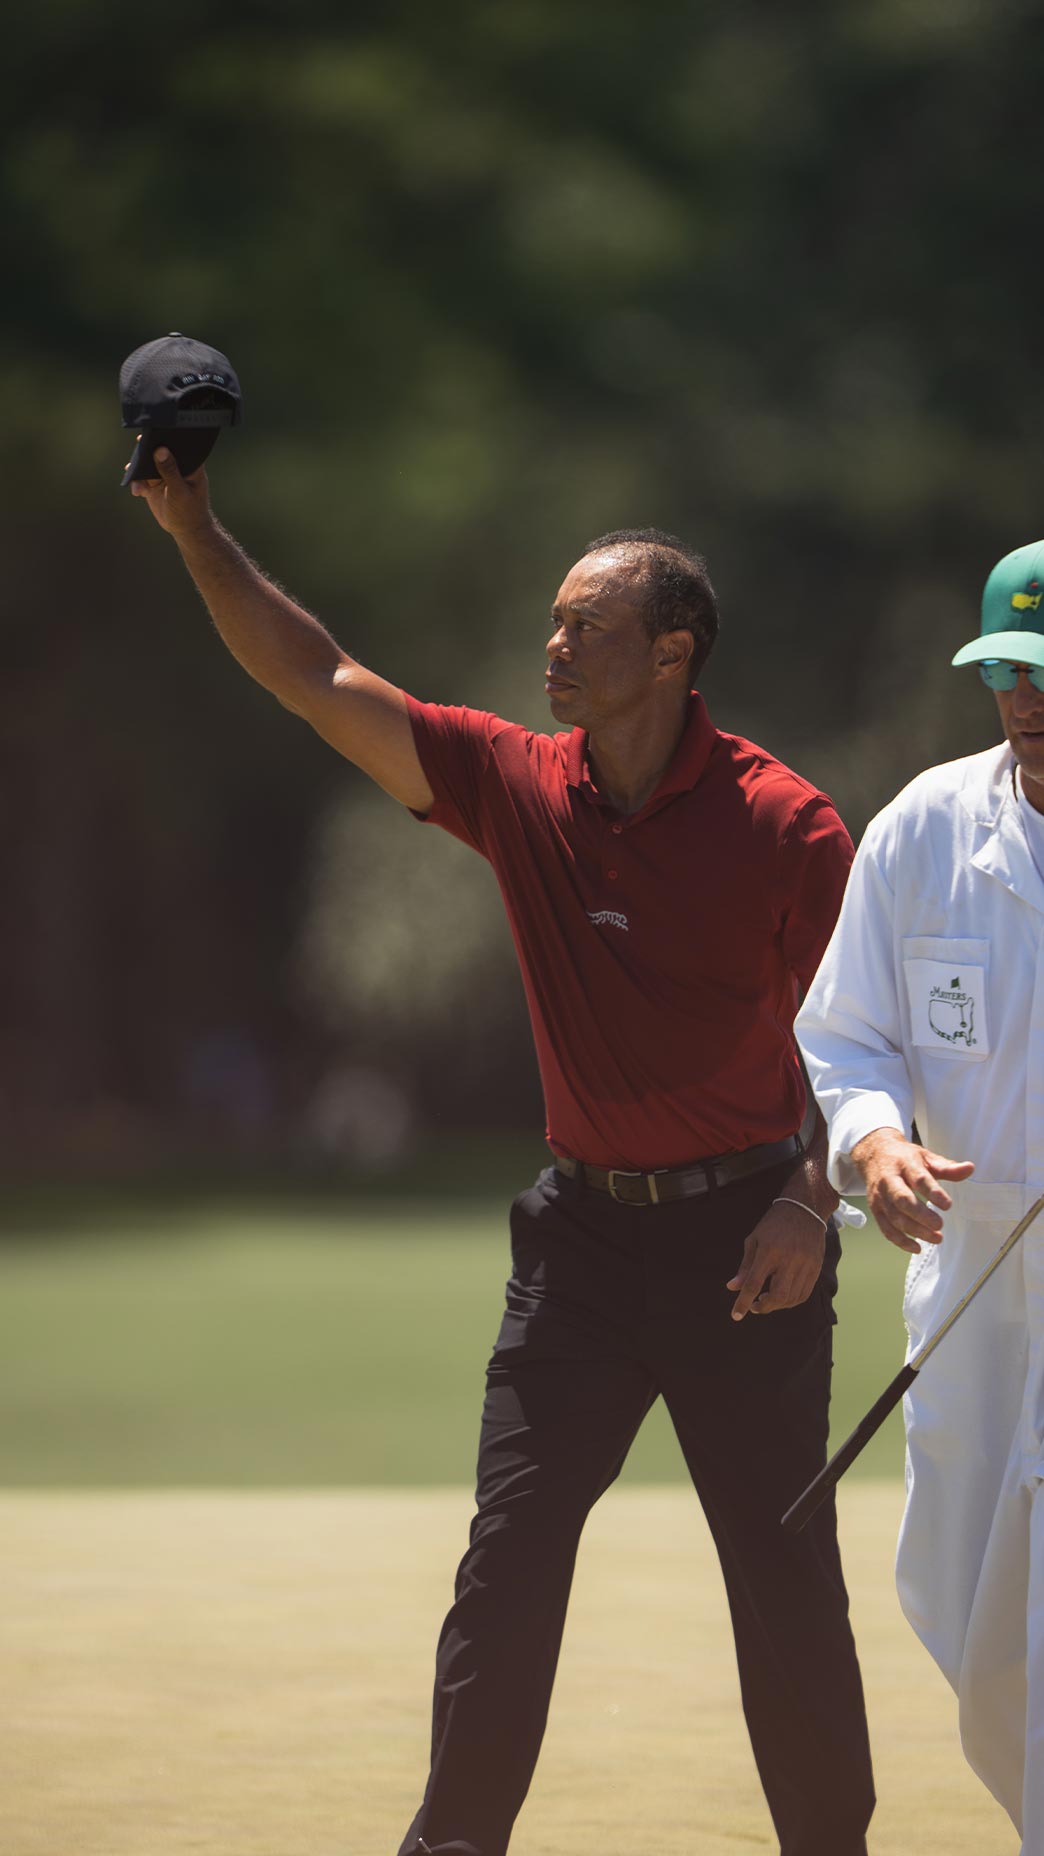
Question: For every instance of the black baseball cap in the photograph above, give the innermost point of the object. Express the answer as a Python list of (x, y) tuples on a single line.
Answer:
[(179, 393)]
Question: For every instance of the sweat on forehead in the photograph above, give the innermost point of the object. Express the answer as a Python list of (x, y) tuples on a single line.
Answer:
[(620, 565), (632, 553)]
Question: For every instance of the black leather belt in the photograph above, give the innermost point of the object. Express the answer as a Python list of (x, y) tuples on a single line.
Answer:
[(681, 1182)]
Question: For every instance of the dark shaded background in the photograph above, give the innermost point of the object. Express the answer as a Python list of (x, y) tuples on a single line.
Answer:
[(496, 277)]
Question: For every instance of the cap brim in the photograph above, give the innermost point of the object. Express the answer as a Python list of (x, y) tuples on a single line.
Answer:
[(190, 448), (1017, 647)]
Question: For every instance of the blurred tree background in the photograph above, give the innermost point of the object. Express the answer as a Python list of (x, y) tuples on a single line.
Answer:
[(497, 275)]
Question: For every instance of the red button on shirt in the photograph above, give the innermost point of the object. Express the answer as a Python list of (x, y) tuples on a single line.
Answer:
[(663, 1028)]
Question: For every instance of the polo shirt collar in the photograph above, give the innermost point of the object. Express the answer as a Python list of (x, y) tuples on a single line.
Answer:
[(683, 772)]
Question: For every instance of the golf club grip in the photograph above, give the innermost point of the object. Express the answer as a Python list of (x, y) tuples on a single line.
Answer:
[(816, 1493)]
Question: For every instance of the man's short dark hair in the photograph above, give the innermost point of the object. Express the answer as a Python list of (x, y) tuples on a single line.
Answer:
[(677, 594)]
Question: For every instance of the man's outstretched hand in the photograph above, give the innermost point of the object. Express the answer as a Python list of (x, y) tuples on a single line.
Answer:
[(180, 504), (903, 1186)]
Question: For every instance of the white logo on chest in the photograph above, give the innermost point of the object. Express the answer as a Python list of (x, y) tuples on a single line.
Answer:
[(951, 1013), (949, 1007), (610, 917)]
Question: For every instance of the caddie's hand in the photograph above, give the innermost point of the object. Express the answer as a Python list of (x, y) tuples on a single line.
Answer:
[(180, 504), (903, 1189), (782, 1259)]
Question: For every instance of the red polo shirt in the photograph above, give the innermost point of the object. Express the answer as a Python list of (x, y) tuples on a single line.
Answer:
[(661, 952)]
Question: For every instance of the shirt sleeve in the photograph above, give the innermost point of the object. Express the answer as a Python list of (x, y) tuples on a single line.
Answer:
[(453, 746), (849, 1027), (815, 858)]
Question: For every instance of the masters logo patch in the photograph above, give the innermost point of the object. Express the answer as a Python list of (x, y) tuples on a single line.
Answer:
[(947, 1007), (951, 1013)]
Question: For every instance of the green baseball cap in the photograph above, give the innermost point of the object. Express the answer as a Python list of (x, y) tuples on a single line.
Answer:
[(1012, 611)]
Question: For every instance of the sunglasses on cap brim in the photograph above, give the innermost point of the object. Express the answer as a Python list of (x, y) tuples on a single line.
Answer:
[(998, 673)]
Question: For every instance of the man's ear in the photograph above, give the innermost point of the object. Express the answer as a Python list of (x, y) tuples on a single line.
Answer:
[(673, 652)]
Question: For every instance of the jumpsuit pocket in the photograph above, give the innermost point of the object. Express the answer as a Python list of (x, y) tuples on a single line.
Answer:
[(919, 1295)]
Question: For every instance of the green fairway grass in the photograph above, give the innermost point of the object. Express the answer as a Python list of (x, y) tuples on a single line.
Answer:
[(250, 1675), (210, 1342)]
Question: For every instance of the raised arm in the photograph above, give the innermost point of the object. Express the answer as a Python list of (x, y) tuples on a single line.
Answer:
[(283, 647)]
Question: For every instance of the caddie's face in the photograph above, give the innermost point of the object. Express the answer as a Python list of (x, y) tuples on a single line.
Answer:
[(601, 664), (1021, 712)]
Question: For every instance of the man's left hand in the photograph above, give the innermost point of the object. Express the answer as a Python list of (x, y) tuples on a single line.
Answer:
[(782, 1259)]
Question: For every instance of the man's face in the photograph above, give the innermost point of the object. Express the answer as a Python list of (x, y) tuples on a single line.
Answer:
[(1022, 718), (601, 664)]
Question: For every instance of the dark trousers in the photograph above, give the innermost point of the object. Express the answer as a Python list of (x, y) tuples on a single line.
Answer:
[(608, 1306)]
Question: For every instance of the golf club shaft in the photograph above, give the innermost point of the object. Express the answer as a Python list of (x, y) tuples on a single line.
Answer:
[(816, 1493), (920, 1355)]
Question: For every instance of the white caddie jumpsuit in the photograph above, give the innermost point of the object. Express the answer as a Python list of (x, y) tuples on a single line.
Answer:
[(928, 1008)]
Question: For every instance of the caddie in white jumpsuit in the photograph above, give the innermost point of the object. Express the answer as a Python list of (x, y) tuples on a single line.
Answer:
[(924, 1038)]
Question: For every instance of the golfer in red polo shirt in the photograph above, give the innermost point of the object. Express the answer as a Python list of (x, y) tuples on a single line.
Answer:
[(669, 888)]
